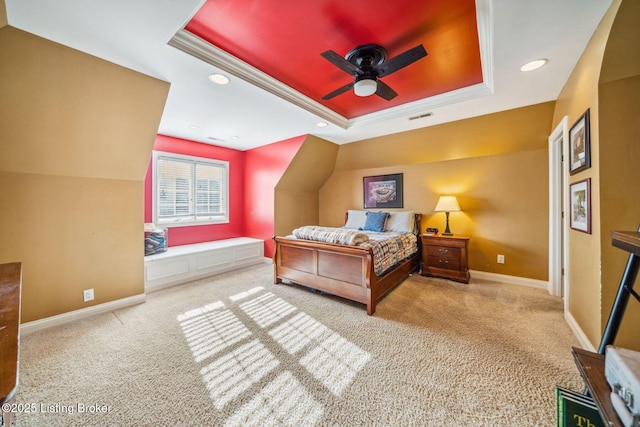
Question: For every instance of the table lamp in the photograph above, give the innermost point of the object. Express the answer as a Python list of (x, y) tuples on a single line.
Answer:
[(447, 204)]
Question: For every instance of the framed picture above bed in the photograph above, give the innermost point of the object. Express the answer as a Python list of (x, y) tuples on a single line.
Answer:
[(383, 191)]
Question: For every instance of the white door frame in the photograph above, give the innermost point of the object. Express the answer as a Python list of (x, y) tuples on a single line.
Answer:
[(558, 203)]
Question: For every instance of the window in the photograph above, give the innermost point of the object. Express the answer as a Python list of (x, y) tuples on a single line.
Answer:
[(189, 190)]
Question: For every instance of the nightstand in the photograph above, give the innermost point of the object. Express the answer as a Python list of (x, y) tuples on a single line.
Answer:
[(445, 256)]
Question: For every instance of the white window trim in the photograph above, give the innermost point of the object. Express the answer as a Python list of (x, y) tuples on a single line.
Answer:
[(169, 224)]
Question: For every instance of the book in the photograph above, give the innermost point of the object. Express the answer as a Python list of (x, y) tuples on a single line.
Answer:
[(574, 409)]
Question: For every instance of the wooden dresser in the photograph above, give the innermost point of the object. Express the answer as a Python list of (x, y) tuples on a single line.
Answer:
[(10, 288), (446, 257)]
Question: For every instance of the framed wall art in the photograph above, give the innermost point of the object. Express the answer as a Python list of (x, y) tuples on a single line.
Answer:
[(383, 191), (581, 205), (580, 145)]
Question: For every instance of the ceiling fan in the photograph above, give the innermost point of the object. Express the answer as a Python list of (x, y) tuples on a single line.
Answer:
[(367, 63)]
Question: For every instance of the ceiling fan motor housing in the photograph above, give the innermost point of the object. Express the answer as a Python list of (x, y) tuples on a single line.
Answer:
[(367, 56)]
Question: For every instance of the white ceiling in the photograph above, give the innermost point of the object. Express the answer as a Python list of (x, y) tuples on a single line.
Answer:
[(135, 33)]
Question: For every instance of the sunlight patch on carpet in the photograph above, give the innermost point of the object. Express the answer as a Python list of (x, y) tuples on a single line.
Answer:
[(227, 377), (197, 312), (246, 294), (298, 332), (330, 358), (267, 309), (211, 331), (240, 363), (276, 405)]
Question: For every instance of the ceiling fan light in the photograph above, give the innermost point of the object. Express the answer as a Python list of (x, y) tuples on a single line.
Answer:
[(365, 87)]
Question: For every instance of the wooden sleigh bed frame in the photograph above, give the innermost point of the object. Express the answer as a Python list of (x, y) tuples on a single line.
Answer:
[(342, 270)]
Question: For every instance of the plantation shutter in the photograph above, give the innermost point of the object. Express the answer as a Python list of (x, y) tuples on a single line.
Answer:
[(209, 197), (190, 190)]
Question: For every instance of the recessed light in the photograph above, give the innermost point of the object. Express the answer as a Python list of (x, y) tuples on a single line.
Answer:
[(220, 79), (322, 124), (235, 137), (193, 126), (533, 65)]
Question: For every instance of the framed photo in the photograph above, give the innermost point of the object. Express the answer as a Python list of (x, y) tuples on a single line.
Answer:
[(580, 145), (581, 205), (383, 191)]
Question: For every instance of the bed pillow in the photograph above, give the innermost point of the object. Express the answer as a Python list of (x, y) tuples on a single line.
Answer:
[(355, 219), (401, 222), (375, 221)]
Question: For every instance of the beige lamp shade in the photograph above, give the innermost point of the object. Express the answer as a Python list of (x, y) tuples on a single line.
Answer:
[(447, 204)]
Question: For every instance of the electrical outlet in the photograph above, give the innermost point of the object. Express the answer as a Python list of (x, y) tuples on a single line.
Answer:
[(500, 259), (87, 294)]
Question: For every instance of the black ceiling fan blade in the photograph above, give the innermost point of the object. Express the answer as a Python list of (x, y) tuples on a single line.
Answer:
[(340, 62), (384, 91), (338, 91), (398, 62)]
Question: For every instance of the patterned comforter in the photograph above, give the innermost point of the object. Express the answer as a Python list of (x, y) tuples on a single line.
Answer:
[(389, 248)]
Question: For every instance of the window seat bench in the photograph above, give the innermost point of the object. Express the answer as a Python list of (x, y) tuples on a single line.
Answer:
[(181, 264)]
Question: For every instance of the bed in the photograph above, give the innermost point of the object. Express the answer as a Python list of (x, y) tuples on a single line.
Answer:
[(347, 266)]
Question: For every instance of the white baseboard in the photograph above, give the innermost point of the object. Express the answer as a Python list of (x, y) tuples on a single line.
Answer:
[(515, 280), (48, 322), (577, 331)]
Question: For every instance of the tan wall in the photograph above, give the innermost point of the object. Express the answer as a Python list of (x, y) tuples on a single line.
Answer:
[(75, 144), (296, 195), (619, 99), (498, 172), (584, 257), (520, 129)]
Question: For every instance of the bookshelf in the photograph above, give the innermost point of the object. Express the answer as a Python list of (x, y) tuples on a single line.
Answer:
[(591, 365)]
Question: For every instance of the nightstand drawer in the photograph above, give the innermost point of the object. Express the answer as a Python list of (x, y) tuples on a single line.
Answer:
[(444, 257)]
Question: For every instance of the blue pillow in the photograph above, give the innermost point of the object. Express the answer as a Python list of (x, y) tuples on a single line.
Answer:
[(375, 221)]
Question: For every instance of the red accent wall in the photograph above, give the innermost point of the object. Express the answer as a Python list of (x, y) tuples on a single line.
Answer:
[(264, 167), (203, 233), (253, 177)]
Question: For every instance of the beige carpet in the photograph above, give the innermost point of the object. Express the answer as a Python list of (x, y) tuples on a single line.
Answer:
[(236, 350)]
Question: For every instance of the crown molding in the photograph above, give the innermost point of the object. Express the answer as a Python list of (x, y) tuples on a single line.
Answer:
[(201, 49)]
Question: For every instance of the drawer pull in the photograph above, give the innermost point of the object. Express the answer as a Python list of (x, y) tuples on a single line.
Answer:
[(443, 251), (441, 261)]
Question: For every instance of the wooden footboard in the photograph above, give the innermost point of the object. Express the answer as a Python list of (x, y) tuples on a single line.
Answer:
[(345, 271)]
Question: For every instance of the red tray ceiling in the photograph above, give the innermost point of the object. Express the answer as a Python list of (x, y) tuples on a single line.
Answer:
[(284, 39)]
